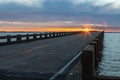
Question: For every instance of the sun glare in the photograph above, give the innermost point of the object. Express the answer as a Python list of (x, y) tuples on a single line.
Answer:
[(86, 30)]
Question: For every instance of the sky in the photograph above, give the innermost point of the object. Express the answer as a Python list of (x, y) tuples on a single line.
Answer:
[(59, 12)]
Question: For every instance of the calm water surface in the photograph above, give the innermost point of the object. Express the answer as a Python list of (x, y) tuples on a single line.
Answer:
[(110, 64)]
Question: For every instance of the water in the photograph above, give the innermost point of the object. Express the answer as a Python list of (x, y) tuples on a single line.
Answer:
[(110, 64)]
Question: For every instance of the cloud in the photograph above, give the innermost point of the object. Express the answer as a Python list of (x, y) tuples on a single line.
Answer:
[(53, 19), (10, 22), (81, 1), (116, 5), (105, 6), (37, 24), (102, 2), (68, 11), (113, 3), (29, 3), (61, 6)]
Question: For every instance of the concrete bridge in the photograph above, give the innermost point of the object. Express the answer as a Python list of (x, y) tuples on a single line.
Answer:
[(48, 59)]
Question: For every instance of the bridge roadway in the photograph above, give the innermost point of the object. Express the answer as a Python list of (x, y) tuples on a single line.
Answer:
[(44, 56)]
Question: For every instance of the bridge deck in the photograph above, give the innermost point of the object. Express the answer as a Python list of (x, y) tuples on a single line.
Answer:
[(45, 56)]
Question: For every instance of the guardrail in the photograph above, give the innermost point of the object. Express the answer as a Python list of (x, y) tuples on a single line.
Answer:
[(9, 39), (91, 57)]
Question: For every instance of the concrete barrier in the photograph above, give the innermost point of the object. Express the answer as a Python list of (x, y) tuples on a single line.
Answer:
[(107, 78), (95, 53), (8, 39), (34, 37), (19, 39), (88, 63), (91, 57)]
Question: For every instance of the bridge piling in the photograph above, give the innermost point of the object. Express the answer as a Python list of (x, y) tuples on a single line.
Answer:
[(19, 38), (95, 54), (27, 37), (91, 57), (87, 61), (34, 36), (8, 39)]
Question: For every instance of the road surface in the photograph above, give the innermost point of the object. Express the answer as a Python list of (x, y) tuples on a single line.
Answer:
[(44, 56)]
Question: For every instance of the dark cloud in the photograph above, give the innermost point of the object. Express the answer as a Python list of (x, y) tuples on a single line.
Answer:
[(58, 10)]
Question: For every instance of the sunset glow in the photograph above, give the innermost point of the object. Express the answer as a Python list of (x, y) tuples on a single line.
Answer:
[(85, 28), (15, 29), (87, 31)]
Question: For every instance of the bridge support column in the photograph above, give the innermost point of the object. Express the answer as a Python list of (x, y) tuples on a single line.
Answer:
[(34, 37), (40, 36), (53, 35), (19, 38), (98, 49), (27, 37), (8, 39), (96, 53), (88, 61), (46, 36), (49, 35)]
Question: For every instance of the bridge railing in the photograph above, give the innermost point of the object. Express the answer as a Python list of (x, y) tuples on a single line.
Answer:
[(91, 57), (12, 39)]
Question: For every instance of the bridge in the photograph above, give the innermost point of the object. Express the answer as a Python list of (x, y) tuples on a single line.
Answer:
[(51, 56)]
